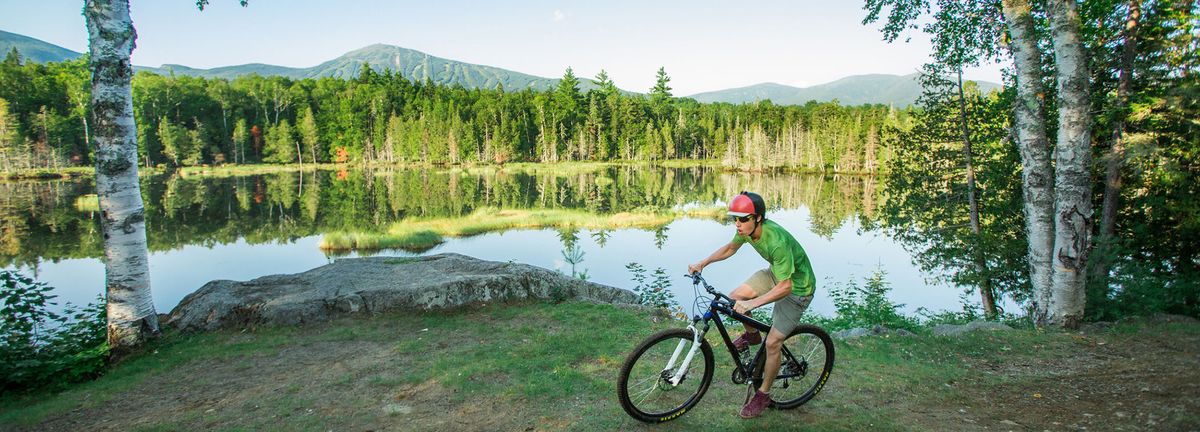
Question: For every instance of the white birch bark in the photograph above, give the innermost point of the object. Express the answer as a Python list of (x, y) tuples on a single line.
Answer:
[(131, 314), (1036, 173), (1073, 161)]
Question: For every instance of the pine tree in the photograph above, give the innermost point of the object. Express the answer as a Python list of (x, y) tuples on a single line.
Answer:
[(660, 94)]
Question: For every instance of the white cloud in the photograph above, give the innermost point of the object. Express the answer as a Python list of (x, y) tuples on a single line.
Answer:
[(559, 16)]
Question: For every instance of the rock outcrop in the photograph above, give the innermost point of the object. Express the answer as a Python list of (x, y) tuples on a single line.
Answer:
[(958, 330), (877, 330), (376, 284)]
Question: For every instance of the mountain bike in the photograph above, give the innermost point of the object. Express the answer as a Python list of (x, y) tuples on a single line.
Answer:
[(669, 372)]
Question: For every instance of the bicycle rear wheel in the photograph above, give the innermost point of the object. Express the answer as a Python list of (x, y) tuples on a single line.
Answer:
[(804, 366), (645, 385)]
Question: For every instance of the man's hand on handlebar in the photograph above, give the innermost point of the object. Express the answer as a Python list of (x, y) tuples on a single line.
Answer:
[(743, 307)]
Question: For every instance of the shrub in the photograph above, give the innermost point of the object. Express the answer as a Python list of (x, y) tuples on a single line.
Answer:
[(39, 348), (655, 292), (866, 305), (970, 312)]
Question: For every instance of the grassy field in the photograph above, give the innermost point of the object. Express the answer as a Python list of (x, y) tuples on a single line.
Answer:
[(546, 366)]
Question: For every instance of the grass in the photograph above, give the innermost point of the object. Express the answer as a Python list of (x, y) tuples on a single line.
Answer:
[(87, 203), (560, 168), (421, 235), (535, 365), (251, 169), (48, 173)]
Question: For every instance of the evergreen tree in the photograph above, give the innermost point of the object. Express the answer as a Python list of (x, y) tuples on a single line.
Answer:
[(660, 94), (605, 85), (660, 98)]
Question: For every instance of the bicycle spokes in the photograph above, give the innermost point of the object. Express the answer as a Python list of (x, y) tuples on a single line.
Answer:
[(665, 375), (805, 362)]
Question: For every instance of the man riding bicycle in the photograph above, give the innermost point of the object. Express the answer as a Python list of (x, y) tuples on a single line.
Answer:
[(788, 282)]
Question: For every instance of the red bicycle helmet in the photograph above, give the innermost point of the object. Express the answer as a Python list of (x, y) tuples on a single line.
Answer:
[(747, 203)]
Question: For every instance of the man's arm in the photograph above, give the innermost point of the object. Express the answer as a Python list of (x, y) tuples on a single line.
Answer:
[(720, 254)]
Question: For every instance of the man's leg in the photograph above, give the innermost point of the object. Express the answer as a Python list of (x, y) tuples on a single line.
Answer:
[(771, 368), (761, 399), (744, 292)]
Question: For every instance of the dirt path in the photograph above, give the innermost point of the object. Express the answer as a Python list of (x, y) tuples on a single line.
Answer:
[(1104, 380), (1113, 382)]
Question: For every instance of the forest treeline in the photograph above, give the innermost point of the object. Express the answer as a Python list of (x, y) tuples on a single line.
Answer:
[(55, 220), (381, 117)]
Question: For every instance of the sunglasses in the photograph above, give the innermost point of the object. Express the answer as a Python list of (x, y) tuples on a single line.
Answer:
[(743, 219)]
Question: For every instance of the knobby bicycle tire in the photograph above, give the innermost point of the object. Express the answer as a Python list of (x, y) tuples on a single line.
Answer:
[(649, 397), (807, 348)]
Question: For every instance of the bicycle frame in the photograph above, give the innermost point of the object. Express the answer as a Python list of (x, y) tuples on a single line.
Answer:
[(716, 308)]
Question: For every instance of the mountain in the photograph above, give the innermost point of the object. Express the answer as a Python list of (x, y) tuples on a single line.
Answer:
[(413, 65), (35, 50), (853, 90), (418, 66)]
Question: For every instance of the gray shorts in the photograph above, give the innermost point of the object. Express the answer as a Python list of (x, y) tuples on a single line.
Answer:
[(788, 310)]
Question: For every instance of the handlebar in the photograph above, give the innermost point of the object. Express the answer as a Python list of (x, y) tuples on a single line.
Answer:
[(699, 280)]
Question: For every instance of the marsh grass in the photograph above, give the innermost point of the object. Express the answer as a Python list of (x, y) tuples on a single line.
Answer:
[(87, 203), (48, 173), (247, 170), (419, 235)]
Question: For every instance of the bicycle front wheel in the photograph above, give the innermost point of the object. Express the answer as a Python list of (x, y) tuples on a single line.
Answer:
[(657, 383), (806, 360)]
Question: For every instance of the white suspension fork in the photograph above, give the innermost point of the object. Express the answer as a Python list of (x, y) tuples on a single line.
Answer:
[(687, 361)]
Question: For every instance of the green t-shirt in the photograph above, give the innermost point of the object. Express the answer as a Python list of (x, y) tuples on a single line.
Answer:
[(787, 258)]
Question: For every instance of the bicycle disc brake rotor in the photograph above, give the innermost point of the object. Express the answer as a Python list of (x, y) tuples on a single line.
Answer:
[(664, 380), (738, 376)]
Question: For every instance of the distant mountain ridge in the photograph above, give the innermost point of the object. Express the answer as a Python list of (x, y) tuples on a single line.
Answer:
[(900, 90), (418, 66), (412, 64), (35, 50)]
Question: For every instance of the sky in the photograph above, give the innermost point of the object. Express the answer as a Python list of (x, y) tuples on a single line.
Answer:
[(703, 45)]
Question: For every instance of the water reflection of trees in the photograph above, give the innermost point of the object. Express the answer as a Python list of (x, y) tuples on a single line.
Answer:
[(39, 220)]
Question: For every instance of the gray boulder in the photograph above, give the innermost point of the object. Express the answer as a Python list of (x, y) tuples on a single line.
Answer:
[(376, 284), (956, 330), (877, 330), (851, 333)]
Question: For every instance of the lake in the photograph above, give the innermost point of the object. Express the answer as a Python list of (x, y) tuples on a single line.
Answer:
[(202, 228)]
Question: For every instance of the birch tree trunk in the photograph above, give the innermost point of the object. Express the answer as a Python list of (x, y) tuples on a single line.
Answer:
[(131, 315), (1036, 175), (1073, 162)]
